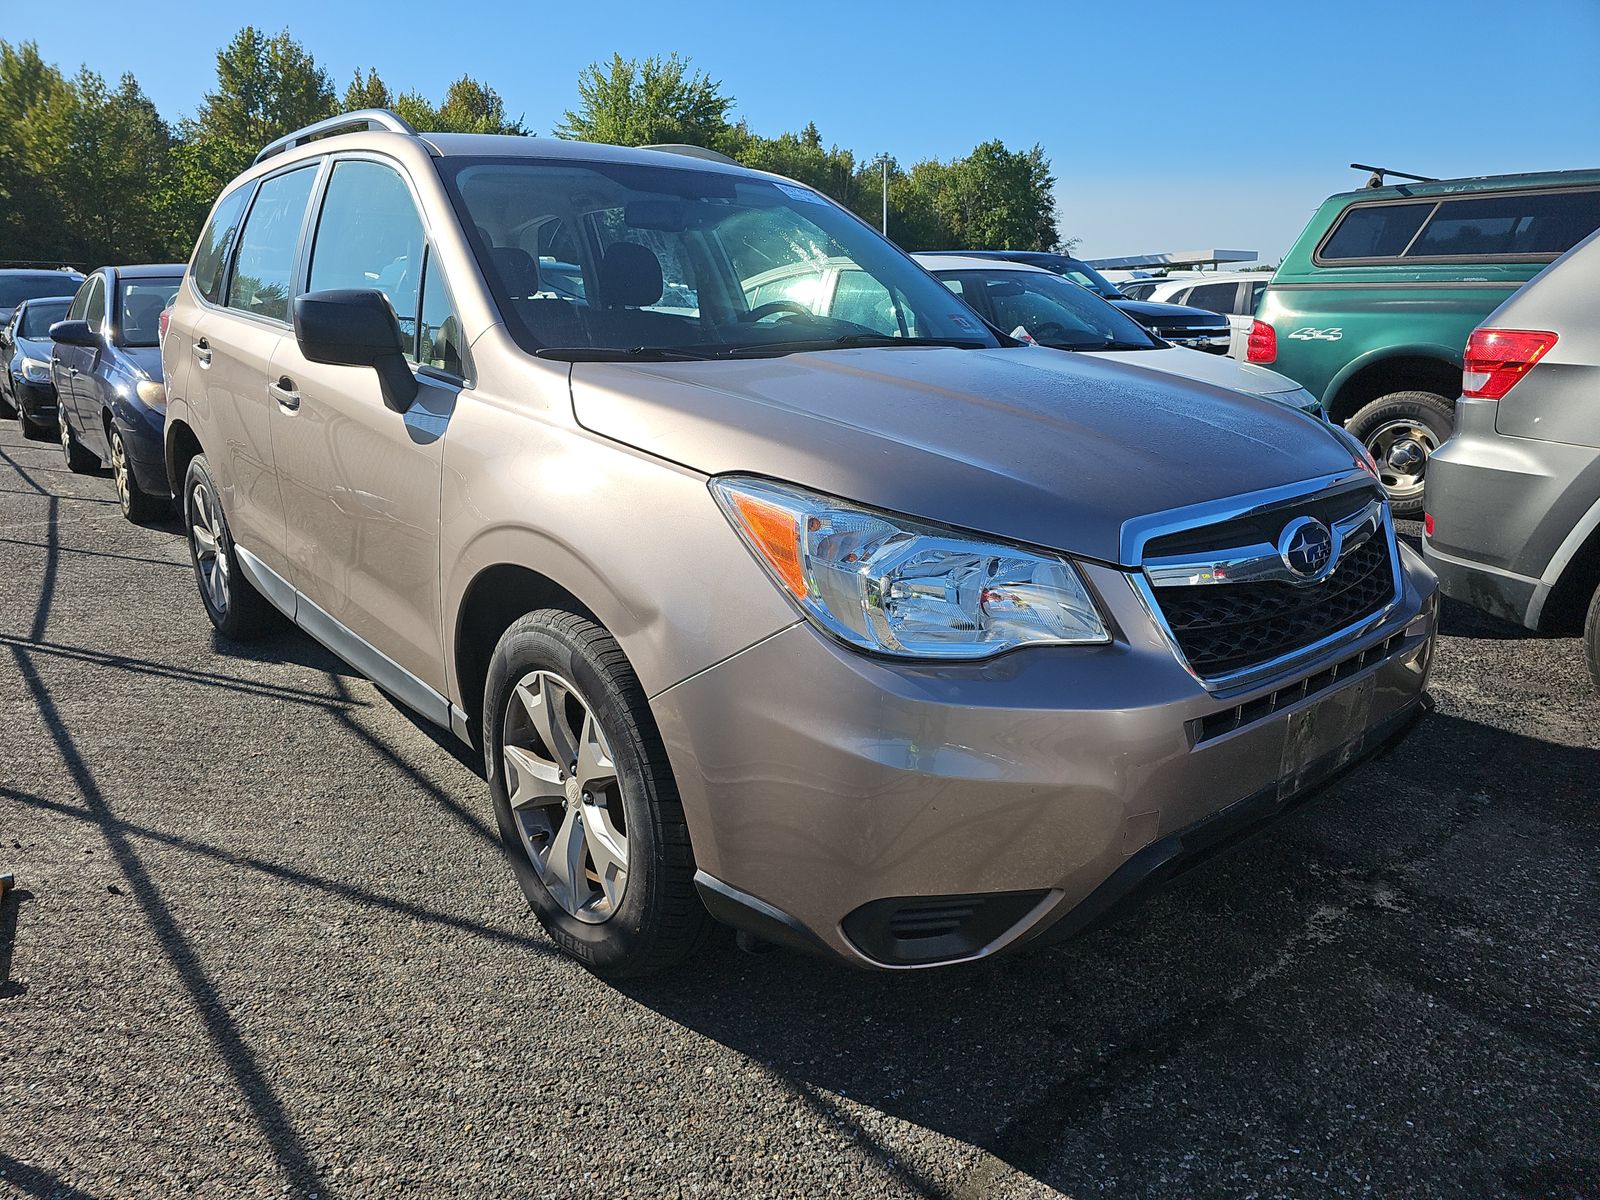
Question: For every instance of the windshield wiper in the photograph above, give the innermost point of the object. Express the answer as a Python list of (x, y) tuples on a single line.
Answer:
[(849, 341), (620, 354)]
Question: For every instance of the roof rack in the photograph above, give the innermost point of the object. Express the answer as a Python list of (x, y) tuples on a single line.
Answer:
[(692, 152), (1376, 180), (361, 119)]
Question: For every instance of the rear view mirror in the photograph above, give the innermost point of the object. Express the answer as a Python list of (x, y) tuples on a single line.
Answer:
[(357, 327), (74, 333), (668, 216)]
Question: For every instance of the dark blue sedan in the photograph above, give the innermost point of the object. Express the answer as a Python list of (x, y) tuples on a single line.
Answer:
[(107, 371)]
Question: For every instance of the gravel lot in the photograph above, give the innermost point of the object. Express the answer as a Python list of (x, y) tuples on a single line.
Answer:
[(263, 943)]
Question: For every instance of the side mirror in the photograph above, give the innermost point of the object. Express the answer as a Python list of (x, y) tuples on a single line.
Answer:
[(356, 327), (74, 333)]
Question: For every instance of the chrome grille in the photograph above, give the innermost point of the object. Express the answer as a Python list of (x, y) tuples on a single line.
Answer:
[(1240, 607)]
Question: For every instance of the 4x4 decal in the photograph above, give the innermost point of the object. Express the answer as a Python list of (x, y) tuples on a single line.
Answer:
[(1312, 334)]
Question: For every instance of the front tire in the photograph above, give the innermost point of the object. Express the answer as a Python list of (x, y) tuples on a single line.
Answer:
[(584, 799), (235, 607), (137, 505), (1591, 637), (1401, 431), (79, 460)]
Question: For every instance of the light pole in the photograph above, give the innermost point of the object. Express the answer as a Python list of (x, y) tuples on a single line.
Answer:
[(883, 161)]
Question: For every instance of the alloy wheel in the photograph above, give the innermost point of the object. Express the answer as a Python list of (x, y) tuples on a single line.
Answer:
[(205, 534), (119, 470), (1401, 449), (565, 797)]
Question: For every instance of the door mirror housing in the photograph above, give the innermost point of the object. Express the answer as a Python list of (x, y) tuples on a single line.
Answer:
[(357, 327), (74, 333)]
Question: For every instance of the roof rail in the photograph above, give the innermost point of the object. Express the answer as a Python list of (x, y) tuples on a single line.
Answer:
[(692, 152), (362, 118)]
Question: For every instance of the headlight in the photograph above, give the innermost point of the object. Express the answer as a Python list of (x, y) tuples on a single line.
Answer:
[(151, 393), (894, 586), (36, 370)]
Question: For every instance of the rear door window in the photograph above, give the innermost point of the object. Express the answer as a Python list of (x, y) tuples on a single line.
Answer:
[(264, 272)]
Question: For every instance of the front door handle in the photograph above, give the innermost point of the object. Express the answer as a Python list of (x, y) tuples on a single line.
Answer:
[(283, 392), (202, 351)]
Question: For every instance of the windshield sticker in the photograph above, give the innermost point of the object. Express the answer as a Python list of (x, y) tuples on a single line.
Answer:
[(962, 321), (799, 193)]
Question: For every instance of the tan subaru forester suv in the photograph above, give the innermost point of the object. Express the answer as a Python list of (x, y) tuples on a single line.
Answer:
[(774, 585)]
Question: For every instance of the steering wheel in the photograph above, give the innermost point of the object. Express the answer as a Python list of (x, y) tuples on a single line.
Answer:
[(1053, 331), (771, 308)]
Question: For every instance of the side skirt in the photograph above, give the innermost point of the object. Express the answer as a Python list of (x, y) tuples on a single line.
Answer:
[(361, 654)]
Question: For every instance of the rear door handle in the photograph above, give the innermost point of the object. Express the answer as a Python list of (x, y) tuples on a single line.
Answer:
[(202, 351), (283, 392)]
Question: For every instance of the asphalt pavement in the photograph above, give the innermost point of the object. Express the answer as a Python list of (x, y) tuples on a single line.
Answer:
[(263, 943)]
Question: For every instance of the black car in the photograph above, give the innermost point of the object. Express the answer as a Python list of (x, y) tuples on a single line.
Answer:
[(25, 347), (1192, 327), (19, 284), (107, 371)]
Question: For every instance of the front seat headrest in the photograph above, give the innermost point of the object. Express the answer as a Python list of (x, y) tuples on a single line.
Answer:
[(519, 271), (630, 276)]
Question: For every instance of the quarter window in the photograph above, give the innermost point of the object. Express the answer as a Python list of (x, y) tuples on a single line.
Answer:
[(439, 330), (1376, 231), (95, 312), (1214, 297), (80, 300), (211, 254), (264, 273)]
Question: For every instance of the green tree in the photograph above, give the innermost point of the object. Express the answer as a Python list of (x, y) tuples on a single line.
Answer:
[(473, 107), (266, 87), (634, 102), (800, 156), (367, 91), (1000, 199), (36, 117)]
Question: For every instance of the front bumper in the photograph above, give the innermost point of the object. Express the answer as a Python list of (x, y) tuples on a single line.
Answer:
[(35, 401), (900, 815), (1502, 507), (143, 433)]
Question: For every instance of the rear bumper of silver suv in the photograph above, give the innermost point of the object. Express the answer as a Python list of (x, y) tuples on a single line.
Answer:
[(903, 815)]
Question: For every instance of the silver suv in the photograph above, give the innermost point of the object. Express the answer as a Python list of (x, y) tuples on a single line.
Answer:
[(1513, 499), (871, 632)]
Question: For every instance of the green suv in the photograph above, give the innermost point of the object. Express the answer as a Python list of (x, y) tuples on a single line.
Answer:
[(1371, 309)]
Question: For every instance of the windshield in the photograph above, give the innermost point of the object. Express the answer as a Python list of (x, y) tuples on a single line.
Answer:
[(677, 262), (142, 302), (37, 318), (1086, 276), (14, 289), (1048, 309)]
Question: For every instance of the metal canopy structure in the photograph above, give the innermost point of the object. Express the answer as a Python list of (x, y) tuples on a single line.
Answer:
[(1173, 258)]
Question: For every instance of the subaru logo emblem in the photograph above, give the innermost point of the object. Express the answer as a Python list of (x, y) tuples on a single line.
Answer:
[(1306, 545)]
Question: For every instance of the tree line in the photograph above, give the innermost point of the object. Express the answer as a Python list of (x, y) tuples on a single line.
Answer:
[(91, 173)]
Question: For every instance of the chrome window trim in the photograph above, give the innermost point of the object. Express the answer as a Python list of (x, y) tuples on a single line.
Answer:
[(1140, 531)]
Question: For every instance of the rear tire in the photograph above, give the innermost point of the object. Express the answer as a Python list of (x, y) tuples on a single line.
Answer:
[(554, 676), (1401, 431), (79, 460), (238, 611), (1591, 637), (137, 504)]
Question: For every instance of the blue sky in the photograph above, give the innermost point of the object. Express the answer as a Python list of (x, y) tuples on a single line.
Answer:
[(1170, 125)]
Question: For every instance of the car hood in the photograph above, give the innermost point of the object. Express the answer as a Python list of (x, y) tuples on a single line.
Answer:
[(36, 347), (1168, 314), (1207, 368), (1053, 449)]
